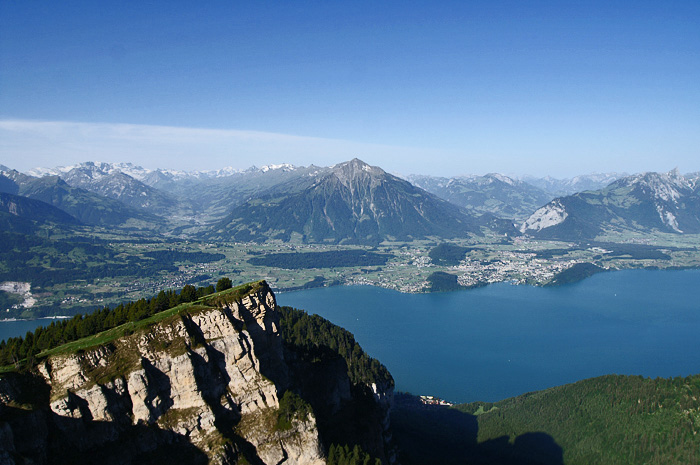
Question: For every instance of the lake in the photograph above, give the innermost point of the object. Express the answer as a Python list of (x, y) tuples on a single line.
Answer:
[(503, 340), (20, 327)]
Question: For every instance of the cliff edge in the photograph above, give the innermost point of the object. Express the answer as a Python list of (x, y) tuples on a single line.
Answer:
[(212, 383)]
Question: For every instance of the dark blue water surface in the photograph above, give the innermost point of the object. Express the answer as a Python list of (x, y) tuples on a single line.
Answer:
[(503, 340), (20, 327)]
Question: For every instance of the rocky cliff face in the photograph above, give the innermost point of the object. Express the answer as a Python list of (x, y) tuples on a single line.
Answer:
[(203, 386)]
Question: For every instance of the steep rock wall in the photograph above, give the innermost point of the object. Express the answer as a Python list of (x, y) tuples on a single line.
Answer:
[(203, 386)]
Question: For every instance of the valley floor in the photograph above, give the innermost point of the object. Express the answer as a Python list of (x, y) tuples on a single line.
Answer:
[(161, 263)]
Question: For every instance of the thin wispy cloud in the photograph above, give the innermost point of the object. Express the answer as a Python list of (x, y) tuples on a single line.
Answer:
[(27, 144)]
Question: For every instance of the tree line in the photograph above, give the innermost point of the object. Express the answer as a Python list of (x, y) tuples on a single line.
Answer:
[(343, 455), (22, 351), (327, 259), (315, 336)]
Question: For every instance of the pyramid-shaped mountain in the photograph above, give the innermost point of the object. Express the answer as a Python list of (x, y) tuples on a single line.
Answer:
[(665, 202), (352, 203)]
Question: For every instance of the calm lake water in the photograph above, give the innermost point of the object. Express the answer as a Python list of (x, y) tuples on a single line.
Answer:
[(20, 327), (502, 340)]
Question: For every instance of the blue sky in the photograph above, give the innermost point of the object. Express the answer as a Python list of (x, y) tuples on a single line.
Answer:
[(546, 88)]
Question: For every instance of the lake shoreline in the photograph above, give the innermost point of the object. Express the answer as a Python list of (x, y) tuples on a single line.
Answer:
[(336, 283), (500, 341), (493, 327), (481, 285)]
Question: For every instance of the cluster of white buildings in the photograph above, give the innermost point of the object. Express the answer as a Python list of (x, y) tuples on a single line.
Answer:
[(431, 400), (516, 267)]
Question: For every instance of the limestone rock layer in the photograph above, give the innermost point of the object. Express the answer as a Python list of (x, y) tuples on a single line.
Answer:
[(202, 386)]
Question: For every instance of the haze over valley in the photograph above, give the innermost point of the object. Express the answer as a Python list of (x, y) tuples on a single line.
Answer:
[(327, 233), (199, 225)]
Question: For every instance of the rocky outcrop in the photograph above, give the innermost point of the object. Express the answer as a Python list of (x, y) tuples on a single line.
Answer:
[(665, 202), (202, 386)]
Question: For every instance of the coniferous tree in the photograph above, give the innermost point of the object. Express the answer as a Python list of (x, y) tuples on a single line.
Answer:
[(24, 349), (188, 293), (223, 284)]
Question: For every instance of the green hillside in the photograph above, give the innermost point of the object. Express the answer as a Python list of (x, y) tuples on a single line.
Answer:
[(606, 420), (88, 207)]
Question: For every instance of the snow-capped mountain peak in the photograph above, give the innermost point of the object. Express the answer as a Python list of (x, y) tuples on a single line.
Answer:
[(666, 187), (283, 167), (97, 169)]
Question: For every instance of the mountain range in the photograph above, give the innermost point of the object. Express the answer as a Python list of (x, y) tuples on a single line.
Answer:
[(200, 194), (105, 180), (354, 202), (88, 207), (666, 202), (493, 193), (562, 187)]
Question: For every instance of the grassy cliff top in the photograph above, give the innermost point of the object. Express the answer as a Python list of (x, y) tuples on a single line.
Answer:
[(216, 300), (104, 326), (235, 294)]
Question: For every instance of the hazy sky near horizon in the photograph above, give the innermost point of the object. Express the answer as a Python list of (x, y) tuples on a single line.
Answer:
[(518, 87)]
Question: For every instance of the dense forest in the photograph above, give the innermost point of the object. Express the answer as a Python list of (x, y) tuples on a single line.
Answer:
[(318, 281), (46, 262), (344, 455), (316, 337), (576, 273), (447, 254), (606, 420), (321, 353), (439, 281), (636, 251), (328, 259)]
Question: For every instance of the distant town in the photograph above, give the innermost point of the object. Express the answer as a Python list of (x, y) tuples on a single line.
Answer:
[(431, 400)]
